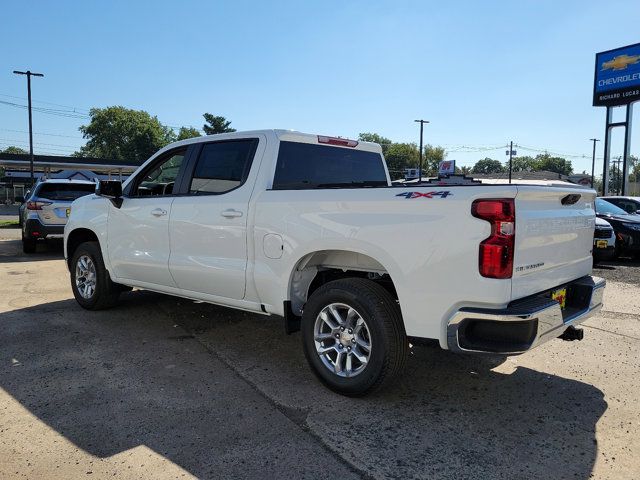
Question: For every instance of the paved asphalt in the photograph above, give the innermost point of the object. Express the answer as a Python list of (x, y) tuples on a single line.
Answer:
[(160, 387)]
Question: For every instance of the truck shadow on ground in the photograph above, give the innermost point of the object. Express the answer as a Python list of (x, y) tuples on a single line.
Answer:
[(109, 381)]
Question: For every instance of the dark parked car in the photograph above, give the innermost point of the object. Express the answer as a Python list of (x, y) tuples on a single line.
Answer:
[(45, 210), (625, 225), (628, 204)]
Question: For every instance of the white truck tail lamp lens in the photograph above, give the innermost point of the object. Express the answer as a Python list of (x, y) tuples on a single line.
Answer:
[(342, 142), (496, 251), (37, 205)]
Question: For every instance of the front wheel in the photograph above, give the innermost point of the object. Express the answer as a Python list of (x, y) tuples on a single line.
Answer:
[(90, 280), (353, 336)]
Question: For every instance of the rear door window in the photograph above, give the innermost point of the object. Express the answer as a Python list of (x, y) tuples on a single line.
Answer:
[(222, 166), (303, 166), (65, 191)]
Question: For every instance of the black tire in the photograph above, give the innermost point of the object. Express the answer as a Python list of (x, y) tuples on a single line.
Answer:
[(380, 310), (617, 250), (106, 292), (28, 245)]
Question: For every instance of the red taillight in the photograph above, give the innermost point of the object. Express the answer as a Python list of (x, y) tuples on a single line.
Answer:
[(496, 251), (342, 142), (37, 205)]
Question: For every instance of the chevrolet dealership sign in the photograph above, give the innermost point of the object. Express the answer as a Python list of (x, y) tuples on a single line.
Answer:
[(617, 76)]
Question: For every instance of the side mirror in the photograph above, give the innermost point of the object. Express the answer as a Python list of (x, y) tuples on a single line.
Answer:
[(19, 199), (111, 189)]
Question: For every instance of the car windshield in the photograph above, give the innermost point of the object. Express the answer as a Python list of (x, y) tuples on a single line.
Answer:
[(65, 191), (602, 206)]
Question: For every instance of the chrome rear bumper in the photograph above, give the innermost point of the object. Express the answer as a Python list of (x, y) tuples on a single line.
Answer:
[(525, 323)]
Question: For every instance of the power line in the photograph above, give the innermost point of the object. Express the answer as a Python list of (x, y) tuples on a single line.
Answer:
[(58, 151), (46, 103), (75, 113), (13, 143), (9, 140), (48, 111), (40, 133)]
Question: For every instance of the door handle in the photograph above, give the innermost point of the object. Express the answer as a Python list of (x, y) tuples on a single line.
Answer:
[(231, 213), (158, 212)]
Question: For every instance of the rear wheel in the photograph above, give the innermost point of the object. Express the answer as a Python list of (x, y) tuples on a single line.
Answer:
[(92, 287), (353, 336)]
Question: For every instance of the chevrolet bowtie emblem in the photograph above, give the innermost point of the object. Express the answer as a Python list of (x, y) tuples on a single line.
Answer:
[(621, 62)]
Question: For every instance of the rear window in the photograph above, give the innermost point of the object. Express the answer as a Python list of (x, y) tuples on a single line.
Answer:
[(65, 191), (307, 166)]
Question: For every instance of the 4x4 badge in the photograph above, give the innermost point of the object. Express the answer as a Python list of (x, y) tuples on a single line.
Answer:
[(409, 195)]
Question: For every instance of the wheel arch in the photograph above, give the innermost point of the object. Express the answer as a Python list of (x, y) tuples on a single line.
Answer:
[(316, 268), (77, 237)]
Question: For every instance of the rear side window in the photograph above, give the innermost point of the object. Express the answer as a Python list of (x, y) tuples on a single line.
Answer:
[(65, 191), (628, 205), (222, 166), (305, 166)]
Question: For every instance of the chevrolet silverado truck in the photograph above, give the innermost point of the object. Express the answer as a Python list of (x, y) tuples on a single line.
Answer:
[(310, 228)]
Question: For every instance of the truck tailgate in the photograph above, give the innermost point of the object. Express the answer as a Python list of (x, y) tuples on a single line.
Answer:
[(554, 237)]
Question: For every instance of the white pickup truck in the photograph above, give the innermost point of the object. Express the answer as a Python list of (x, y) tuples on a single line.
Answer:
[(310, 228)]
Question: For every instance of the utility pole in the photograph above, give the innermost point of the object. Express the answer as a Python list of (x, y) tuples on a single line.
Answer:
[(616, 163), (593, 159), (421, 122), (511, 153), (29, 74)]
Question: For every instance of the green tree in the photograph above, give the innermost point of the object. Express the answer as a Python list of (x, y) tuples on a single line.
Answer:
[(14, 150), (543, 161), (216, 124), (400, 156), (522, 164), (560, 165), (615, 180), (187, 132), (464, 170), (118, 133), (634, 166), (375, 138), (597, 185), (488, 165), (432, 157)]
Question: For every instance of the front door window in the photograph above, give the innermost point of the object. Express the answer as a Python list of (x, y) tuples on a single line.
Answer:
[(160, 180)]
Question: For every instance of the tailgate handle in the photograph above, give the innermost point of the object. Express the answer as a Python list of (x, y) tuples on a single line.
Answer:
[(570, 199)]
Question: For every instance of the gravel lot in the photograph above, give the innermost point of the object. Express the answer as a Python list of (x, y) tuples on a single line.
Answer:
[(160, 387), (625, 270)]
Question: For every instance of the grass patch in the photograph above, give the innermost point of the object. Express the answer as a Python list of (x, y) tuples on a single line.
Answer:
[(9, 224)]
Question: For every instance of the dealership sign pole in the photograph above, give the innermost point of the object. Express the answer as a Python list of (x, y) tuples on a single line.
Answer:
[(617, 83)]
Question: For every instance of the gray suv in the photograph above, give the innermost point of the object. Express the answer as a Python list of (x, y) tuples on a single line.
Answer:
[(44, 211)]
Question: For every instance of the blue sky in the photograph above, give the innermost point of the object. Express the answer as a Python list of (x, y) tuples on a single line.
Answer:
[(483, 73)]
